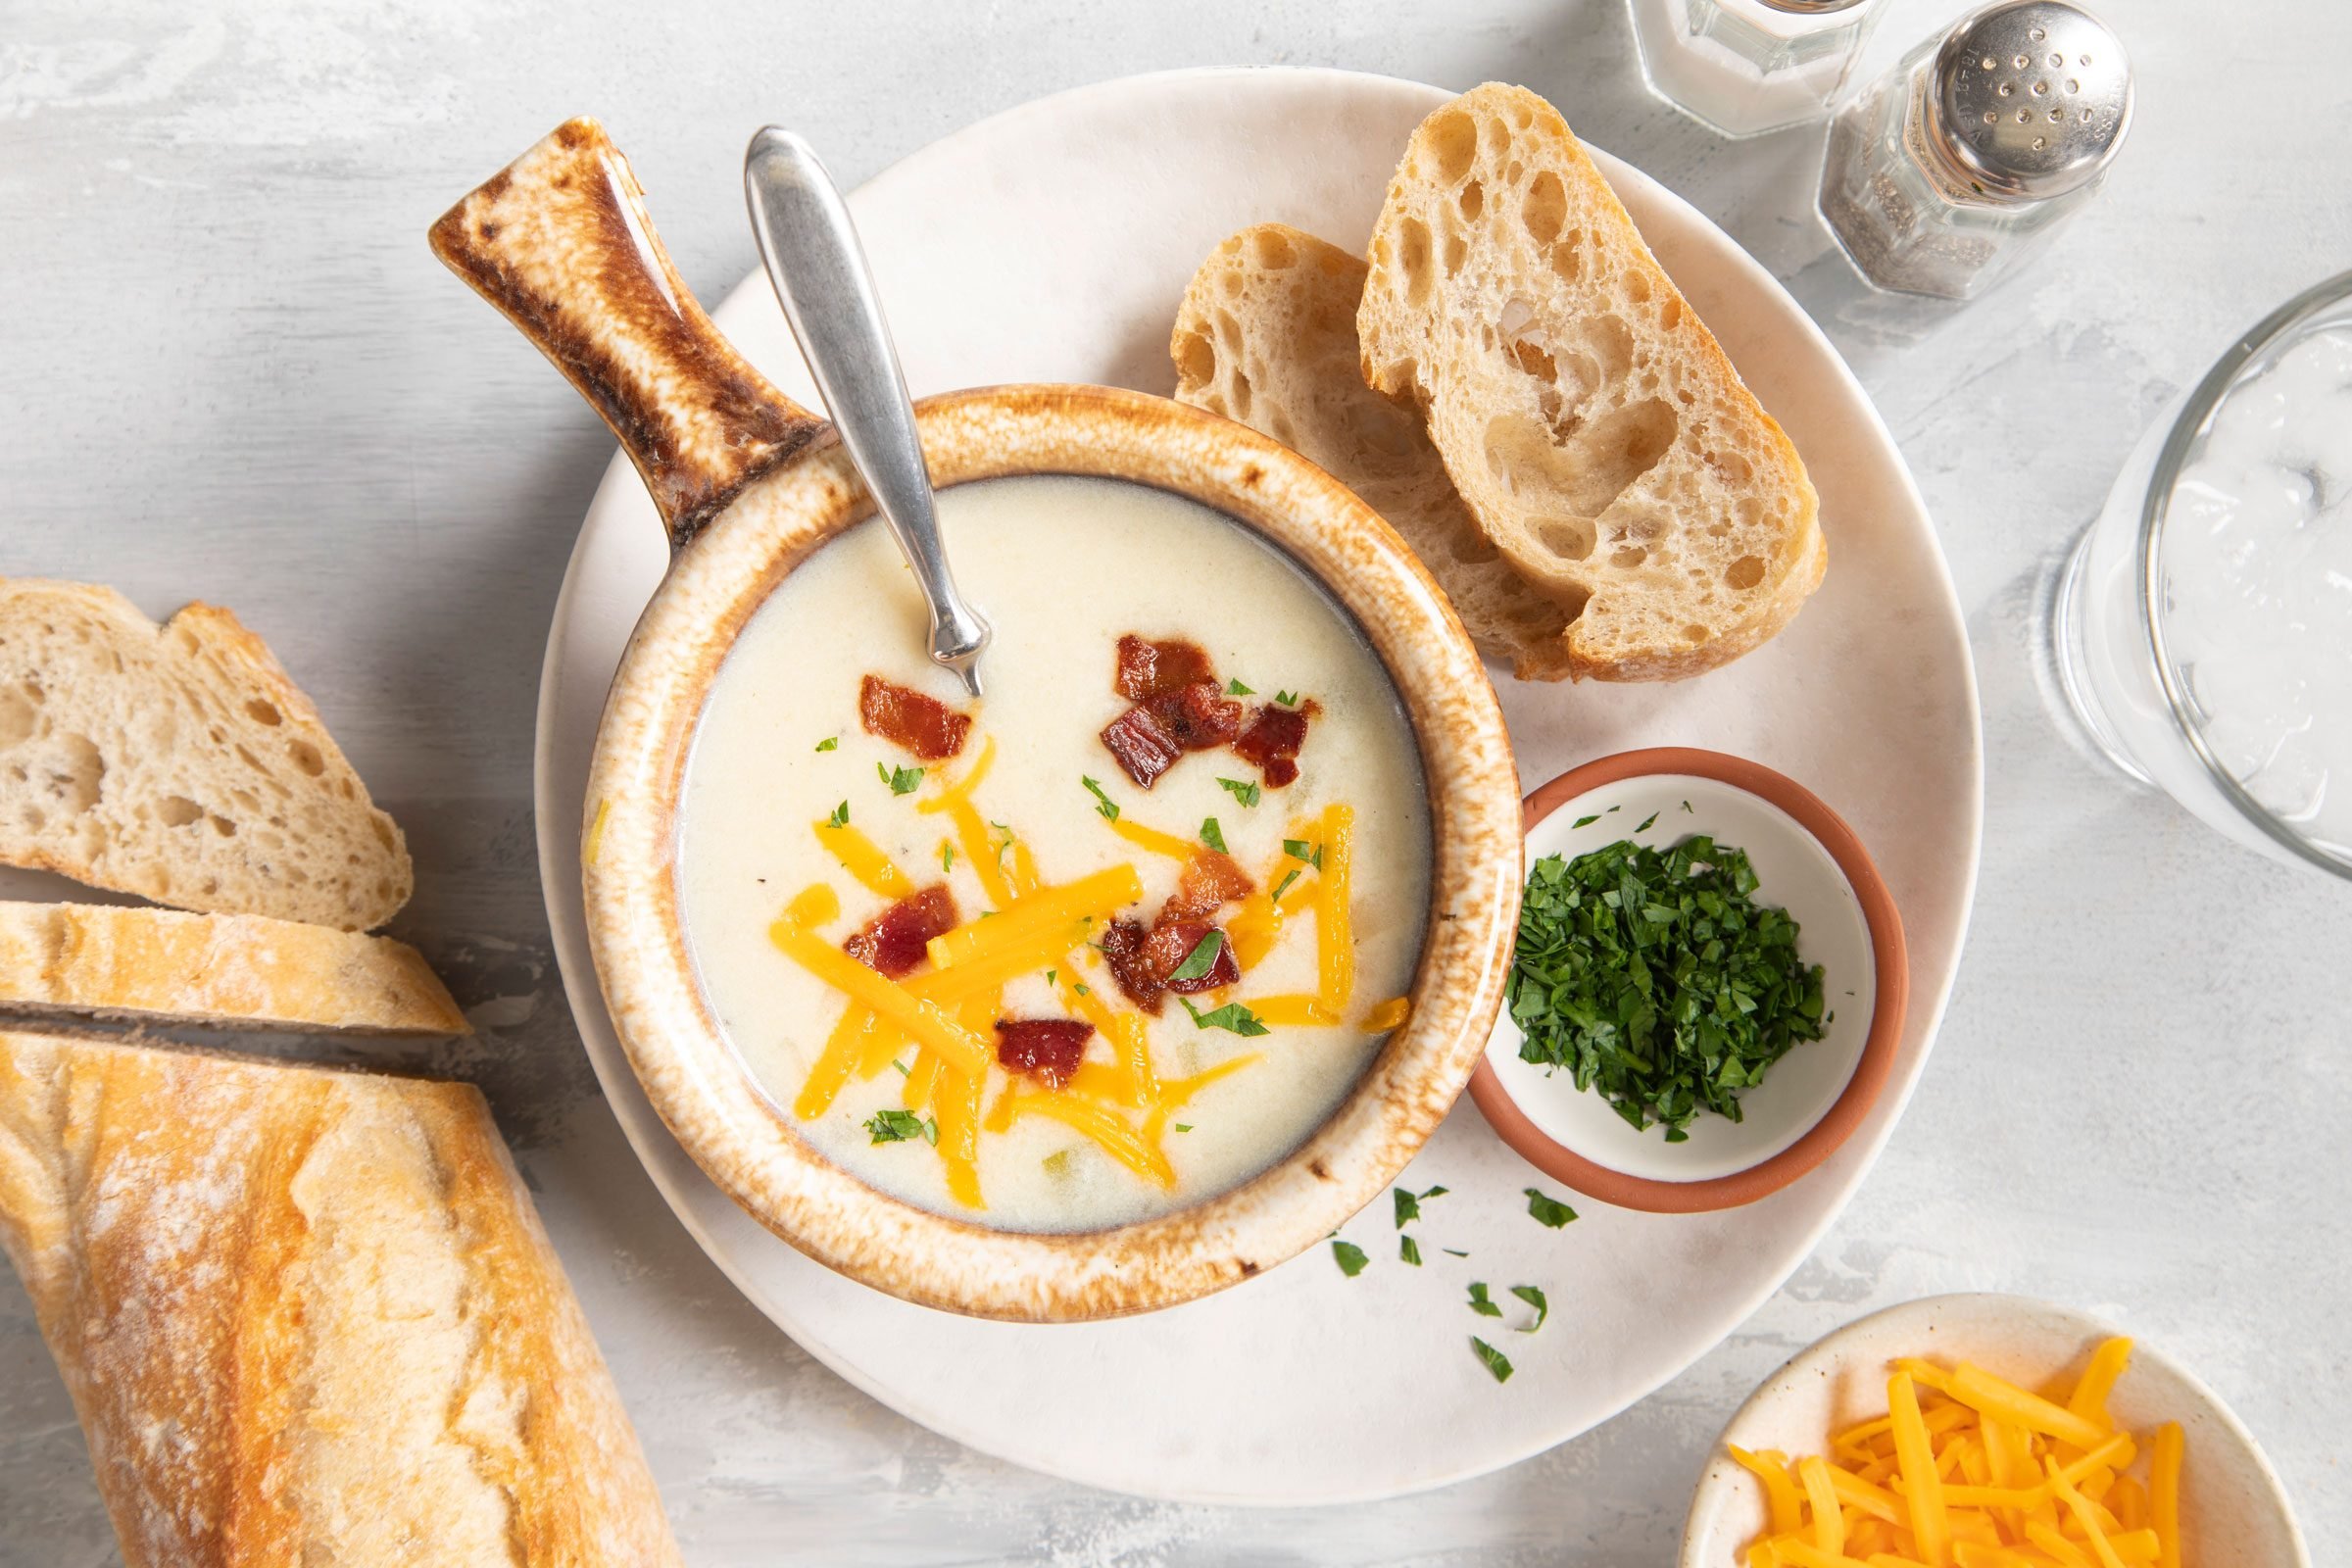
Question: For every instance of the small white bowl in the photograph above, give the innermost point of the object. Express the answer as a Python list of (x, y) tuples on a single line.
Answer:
[(1808, 863), (2233, 1508)]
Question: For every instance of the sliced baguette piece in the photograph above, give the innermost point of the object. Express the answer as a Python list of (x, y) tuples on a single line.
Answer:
[(180, 764), (1267, 335), (309, 1316), (216, 972), (1588, 419)]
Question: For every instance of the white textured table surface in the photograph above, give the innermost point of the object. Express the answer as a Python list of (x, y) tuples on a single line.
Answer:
[(229, 370)]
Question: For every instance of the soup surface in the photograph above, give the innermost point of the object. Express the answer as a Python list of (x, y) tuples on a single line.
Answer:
[(1115, 1019)]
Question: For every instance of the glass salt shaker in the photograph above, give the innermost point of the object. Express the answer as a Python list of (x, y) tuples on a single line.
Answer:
[(1964, 160), (1746, 66)]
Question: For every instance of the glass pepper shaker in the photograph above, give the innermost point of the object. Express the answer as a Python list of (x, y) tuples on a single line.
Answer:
[(1746, 66), (1944, 174)]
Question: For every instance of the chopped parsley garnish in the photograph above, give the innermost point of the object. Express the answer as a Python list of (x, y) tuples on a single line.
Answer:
[(1687, 808), (829, 743), (946, 855), (1302, 850), (902, 780), (1243, 790), (931, 1131), (1349, 1256), (1284, 886), (905, 1071), (1408, 1204), (1286, 699), (1479, 1302), (1584, 821), (893, 1126), (1548, 1211), (1213, 835), (1645, 821), (1202, 959), (1494, 1360), (1103, 803), (1532, 1296), (1082, 989), (1409, 1250), (1003, 844), (1453, 1251), (1235, 688), (1049, 974), (1654, 977), (1233, 1015), (1184, 1126), (840, 817)]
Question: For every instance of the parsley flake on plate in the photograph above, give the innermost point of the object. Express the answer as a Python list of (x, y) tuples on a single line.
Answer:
[(1349, 1256), (1548, 1212), (1654, 977), (1532, 1296), (1493, 1359), (1408, 1204), (1409, 1250), (1480, 1302)]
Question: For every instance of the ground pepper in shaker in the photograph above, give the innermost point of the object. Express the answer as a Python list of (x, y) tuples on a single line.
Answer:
[(1962, 162), (1746, 66)]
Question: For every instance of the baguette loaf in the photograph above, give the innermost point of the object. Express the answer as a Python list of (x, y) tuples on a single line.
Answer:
[(180, 764), (1591, 422), (149, 965), (1267, 335), (309, 1316)]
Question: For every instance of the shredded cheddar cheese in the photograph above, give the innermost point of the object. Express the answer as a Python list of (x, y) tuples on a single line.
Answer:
[(924, 1022), (1152, 839), (1295, 1011), (1383, 1017), (1027, 919), (862, 859), (1968, 1470), (1335, 924)]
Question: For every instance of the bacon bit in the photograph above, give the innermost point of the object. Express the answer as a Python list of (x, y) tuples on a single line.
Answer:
[(923, 725), (1142, 746), (1171, 941), (893, 941), (1047, 1050), (1198, 717), (1147, 668), (1271, 741), (1211, 881), (1123, 949)]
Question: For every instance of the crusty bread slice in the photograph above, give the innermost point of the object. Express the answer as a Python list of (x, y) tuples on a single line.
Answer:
[(218, 971), (1599, 435), (309, 1316), (1267, 335), (180, 764)]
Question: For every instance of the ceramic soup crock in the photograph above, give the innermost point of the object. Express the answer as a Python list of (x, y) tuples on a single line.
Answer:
[(748, 485)]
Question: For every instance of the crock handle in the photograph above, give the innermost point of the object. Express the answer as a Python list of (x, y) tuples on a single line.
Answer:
[(560, 242)]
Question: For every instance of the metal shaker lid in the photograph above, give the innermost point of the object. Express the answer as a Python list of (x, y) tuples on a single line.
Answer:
[(1810, 7), (2034, 97)]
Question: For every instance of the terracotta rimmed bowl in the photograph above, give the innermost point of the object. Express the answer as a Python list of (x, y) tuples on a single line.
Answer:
[(1808, 861), (2233, 1507), (748, 485)]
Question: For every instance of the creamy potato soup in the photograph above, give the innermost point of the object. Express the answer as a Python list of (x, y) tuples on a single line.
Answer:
[(977, 961)]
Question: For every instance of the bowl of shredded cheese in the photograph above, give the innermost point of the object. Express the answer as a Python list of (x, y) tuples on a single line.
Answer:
[(1984, 1431)]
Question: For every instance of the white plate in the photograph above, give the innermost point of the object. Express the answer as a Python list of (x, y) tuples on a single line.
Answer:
[(2233, 1507), (1792, 872), (1052, 243)]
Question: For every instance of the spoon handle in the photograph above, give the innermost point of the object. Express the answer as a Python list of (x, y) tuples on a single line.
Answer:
[(819, 272)]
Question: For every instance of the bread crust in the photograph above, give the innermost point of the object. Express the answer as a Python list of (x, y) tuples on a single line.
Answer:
[(179, 762), (308, 1315), (1266, 336), (151, 965), (1638, 443)]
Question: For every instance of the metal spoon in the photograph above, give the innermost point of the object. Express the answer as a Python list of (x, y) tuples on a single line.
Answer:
[(814, 260)]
